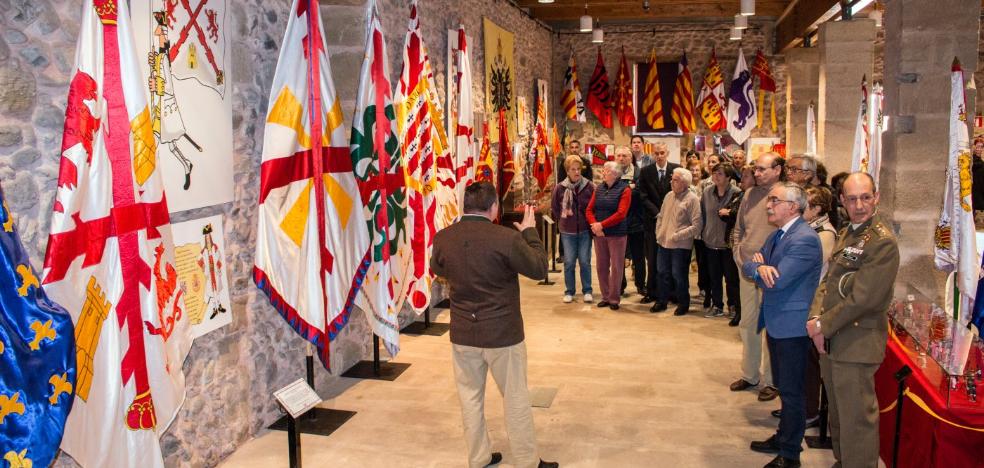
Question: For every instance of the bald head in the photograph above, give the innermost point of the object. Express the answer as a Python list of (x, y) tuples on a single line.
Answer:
[(859, 197), (768, 169)]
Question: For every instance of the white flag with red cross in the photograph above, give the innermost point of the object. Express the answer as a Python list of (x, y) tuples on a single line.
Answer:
[(110, 255)]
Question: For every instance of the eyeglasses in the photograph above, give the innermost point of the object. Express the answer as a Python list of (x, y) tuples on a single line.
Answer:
[(762, 169), (865, 199), (774, 200), (796, 170), (661, 152)]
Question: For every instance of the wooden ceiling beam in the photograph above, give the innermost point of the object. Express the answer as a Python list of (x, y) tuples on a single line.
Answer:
[(794, 26), (562, 10)]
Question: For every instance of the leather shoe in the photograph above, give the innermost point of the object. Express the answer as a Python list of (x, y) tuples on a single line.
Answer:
[(658, 307), (734, 321), (680, 311), (777, 413), (768, 393), (496, 459), (741, 384), (546, 464), (765, 446), (647, 299), (783, 462), (813, 422), (603, 304), (613, 306)]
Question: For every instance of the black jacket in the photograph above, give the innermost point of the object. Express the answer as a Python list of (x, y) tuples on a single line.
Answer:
[(652, 190)]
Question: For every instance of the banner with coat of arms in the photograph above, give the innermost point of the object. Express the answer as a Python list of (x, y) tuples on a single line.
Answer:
[(500, 77)]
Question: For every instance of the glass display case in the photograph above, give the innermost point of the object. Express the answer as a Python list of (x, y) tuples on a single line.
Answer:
[(926, 333)]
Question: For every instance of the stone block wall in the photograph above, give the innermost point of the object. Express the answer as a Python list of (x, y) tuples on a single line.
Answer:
[(669, 40), (232, 372)]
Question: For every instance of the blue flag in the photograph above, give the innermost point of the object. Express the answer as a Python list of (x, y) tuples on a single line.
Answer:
[(37, 358), (978, 315)]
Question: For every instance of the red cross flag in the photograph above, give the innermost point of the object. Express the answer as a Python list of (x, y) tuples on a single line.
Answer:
[(196, 31), (311, 240), (110, 256)]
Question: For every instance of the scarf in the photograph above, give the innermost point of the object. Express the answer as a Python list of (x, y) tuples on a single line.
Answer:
[(570, 191)]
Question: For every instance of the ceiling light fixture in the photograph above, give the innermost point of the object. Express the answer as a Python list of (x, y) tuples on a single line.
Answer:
[(747, 7), (585, 20), (545, 1), (735, 34), (597, 34), (741, 22), (645, 5)]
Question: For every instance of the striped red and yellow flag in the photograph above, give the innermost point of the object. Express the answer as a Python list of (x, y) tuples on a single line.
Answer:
[(683, 99), (652, 101), (570, 98)]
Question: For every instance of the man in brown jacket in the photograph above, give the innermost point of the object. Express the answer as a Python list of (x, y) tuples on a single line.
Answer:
[(481, 261)]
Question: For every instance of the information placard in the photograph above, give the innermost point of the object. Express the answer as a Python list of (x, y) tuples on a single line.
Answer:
[(297, 398)]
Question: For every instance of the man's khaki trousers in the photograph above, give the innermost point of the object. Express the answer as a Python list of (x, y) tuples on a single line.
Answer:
[(508, 366), (754, 356), (853, 409)]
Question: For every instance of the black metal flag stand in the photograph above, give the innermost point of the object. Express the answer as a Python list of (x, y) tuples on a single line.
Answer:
[(427, 327), (317, 421), (552, 251), (376, 370), (901, 375)]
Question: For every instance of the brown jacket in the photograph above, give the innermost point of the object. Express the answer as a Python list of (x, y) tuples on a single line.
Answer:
[(480, 261)]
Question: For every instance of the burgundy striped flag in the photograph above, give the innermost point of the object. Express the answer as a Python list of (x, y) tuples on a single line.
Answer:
[(652, 100), (683, 99), (599, 95)]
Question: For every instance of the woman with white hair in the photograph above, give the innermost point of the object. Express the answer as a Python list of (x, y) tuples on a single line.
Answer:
[(679, 223), (606, 215)]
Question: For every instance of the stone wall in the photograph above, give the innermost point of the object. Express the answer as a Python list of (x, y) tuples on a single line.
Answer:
[(670, 40), (230, 372)]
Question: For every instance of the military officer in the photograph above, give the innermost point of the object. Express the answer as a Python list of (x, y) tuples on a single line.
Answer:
[(850, 323)]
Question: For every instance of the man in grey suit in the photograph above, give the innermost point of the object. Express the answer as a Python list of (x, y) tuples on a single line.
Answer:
[(481, 261), (787, 268)]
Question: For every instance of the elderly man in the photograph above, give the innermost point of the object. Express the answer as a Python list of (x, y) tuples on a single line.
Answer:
[(787, 268), (635, 246), (801, 169), (850, 327), (752, 229), (481, 261), (653, 185), (679, 223)]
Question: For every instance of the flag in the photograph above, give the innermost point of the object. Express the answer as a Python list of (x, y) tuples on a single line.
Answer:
[(811, 130), (464, 147), (542, 165), (767, 84), (859, 153), (956, 245), (555, 147), (741, 102), (570, 98), (623, 94), (876, 125), (600, 154), (375, 159), (37, 357), (683, 99), (507, 167), (485, 166), (652, 100), (110, 255), (432, 201), (310, 243), (710, 102), (599, 96)]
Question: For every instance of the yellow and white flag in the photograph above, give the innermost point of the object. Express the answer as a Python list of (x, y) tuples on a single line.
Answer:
[(110, 256), (431, 174), (312, 244), (956, 244)]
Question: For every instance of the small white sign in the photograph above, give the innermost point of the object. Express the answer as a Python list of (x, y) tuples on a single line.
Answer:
[(297, 398)]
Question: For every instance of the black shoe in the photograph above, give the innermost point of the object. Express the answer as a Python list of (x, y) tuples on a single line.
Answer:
[(613, 306), (546, 464), (658, 307), (680, 311), (603, 304), (496, 459), (777, 413), (765, 446), (734, 321), (783, 462), (647, 299), (813, 422)]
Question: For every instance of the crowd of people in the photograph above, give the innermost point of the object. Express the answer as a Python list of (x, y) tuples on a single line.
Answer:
[(766, 238)]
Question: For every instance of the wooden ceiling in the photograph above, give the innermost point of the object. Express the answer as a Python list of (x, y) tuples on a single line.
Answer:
[(567, 12)]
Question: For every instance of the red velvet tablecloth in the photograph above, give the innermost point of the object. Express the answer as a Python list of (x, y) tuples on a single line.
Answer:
[(925, 440)]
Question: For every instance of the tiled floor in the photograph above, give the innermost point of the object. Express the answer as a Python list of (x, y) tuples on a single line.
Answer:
[(634, 390)]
